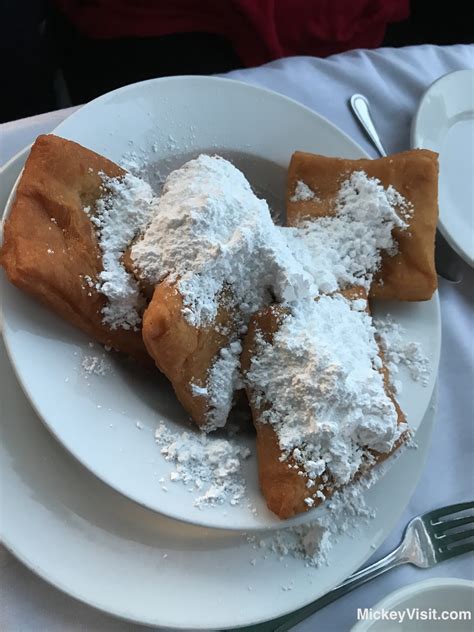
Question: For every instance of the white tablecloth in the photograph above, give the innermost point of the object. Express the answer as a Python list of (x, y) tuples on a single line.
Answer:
[(394, 80)]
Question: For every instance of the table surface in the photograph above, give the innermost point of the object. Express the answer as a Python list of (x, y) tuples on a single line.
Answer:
[(394, 80)]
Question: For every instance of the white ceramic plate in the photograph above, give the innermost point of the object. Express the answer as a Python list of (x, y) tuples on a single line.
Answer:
[(441, 595), (444, 122), (95, 417), (105, 550)]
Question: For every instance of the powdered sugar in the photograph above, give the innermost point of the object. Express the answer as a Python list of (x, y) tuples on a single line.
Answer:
[(211, 232), (361, 196), (222, 382), (209, 463), (400, 352), (328, 404), (303, 193), (346, 513), (212, 236), (121, 213), (344, 249), (138, 163), (95, 365), (134, 163)]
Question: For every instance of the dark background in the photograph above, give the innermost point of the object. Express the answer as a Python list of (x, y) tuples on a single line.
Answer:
[(47, 65)]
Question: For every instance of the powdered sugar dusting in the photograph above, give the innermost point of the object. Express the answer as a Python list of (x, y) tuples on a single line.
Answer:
[(121, 213), (137, 162), (344, 249), (303, 193), (346, 513), (211, 232), (319, 382), (95, 365), (222, 382), (212, 236), (328, 400), (210, 464), (400, 352)]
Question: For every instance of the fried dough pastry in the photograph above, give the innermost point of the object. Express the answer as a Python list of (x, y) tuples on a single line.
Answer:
[(50, 248), (186, 353), (283, 487), (410, 275)]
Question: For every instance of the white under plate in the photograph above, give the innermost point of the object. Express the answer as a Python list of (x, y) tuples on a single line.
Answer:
[(95, 417), (444, 123)]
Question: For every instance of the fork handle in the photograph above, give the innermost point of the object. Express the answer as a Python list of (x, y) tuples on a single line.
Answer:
[(395, 558)]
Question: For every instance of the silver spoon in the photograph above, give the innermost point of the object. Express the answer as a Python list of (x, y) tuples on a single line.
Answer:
[(446, 260), (360, 107)]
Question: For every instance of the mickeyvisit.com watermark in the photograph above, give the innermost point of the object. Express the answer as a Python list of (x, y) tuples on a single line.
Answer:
[(412, 614)]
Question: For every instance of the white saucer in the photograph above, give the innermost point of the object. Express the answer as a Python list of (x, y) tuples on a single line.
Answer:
[(108, 422), (432, 596), (444, 122), (115, 555)]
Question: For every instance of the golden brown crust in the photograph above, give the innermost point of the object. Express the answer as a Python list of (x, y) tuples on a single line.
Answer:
[(283, 488), (183, 352), (410, 275), (49, 243)]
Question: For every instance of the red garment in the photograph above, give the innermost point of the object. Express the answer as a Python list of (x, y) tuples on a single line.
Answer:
[(259, 30)]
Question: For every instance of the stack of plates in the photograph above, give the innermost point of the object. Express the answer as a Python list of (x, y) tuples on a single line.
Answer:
[(100, 526)]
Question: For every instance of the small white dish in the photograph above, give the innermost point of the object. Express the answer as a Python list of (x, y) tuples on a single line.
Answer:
[(444, 122), (108, 422), (421, 605)]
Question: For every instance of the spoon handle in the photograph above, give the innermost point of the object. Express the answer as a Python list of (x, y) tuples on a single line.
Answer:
[(360, 106)]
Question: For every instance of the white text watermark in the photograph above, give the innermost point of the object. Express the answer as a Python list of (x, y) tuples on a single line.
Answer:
[(412, 614)]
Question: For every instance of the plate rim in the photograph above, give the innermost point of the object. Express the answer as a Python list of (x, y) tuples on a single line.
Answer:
[(219, 79), (416, 143)]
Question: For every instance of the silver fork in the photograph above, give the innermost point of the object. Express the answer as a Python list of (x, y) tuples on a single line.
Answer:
[(428, 539)]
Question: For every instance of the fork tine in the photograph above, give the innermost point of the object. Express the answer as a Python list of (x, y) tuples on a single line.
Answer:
[(444, 540), (443, 526), (454, 551), (446, 511)]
